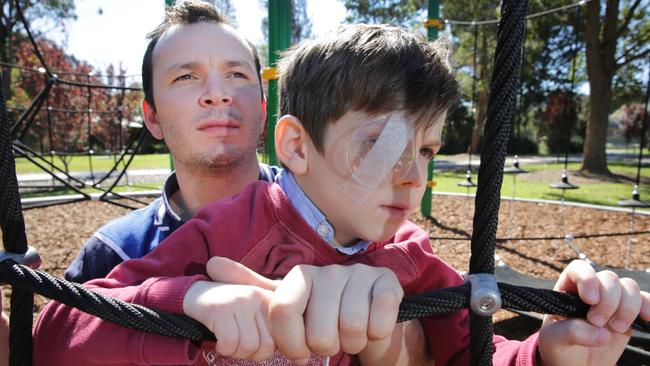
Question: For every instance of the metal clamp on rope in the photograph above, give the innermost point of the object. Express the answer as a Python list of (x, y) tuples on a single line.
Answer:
[(485, 298), (30, 258)]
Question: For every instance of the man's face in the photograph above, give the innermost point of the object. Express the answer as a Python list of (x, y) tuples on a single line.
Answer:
[(375, 210), (207, 97)]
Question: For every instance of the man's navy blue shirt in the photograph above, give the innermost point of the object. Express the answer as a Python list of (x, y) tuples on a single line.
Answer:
[(135, 234)]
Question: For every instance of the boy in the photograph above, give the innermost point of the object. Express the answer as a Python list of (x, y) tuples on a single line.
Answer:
[(363, 113)]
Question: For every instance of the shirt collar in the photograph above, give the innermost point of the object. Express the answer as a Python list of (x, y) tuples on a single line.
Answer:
[(170, 187), (312, 215), (166, 218)]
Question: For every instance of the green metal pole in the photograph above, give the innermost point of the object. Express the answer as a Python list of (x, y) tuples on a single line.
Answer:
[(279, 39), (433, 24)]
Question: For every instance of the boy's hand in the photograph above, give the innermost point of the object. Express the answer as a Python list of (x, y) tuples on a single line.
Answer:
[(327, 309), (236, 314), (599, 340)]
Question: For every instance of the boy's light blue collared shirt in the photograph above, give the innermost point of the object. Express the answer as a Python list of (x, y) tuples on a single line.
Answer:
[(312, 215)]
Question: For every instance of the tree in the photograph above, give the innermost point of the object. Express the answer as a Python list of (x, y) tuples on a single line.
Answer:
[(300, 22), (78, 117), (615, 40), (53, 11), (560, 121), (405, 13), (550, 45), (474, 51), (631, 121), (226, 9)]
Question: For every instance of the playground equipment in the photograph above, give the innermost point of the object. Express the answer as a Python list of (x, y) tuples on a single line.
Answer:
[(635, 202), (507, 60), (127, 150)]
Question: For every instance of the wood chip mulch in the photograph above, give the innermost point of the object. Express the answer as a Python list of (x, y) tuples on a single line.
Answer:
[(58, 233)]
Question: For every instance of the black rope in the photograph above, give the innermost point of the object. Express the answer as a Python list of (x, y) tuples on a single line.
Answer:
[(468, 177), (40, 57), (115, 311), (71, 111), (25, 152), (57, 72), (501, 104), (89, 131), (181, 326), (139, 137), (96, 86), (644, 128), (33, 109), (37, 51), (536, 238), (120, 107), (14, 239), (28, 117), (531, 16), (569, 108)]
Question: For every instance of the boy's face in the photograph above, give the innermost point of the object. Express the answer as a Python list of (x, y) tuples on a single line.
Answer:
[(368, 206)]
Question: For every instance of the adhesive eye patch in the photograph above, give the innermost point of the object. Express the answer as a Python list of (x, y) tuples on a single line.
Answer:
[(375, 151)]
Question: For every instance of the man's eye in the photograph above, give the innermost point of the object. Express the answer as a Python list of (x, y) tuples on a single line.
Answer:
[(239, 75), (427, 153), (184, 77)]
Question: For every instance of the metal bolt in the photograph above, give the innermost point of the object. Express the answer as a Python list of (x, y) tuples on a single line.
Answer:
[(486, 304)]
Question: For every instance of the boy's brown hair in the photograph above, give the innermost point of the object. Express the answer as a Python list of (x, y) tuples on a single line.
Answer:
[(372, 68), (183, 13)]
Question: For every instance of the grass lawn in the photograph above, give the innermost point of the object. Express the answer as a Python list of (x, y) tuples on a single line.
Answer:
[(118, 189), (100, 163), (536, 184)]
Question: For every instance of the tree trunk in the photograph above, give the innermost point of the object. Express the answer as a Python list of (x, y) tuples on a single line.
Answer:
[(600, 99), (601, 65)]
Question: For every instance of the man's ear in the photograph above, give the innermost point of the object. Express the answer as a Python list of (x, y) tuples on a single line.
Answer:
[(291, 142), (263, 114), (151, 120)]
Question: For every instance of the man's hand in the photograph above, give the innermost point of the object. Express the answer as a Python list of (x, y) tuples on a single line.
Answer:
[(327, 309), (236, 313), (601, 339)]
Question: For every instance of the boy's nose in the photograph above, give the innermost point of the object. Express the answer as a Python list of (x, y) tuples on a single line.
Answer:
[(215, 93), (414, 176)]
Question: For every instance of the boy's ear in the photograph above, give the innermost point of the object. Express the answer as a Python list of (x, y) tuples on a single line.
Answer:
[(151, 120), (291, 141)]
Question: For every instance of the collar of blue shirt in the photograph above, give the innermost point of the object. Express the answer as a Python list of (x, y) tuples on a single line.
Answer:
[(312, 215)]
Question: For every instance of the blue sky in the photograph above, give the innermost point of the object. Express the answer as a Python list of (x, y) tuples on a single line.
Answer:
[(118, 34)]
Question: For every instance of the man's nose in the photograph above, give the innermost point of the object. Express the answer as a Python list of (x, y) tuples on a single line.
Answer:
[(216, 92)]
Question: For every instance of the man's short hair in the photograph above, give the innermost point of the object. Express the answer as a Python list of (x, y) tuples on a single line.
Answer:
[(371, 68), (183, 13)]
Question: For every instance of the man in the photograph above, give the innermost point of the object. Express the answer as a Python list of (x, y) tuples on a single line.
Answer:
[(205, 100)]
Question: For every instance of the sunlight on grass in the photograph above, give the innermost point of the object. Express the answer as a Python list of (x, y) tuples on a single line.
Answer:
[(100, 163), (534, 185), (599, 193)]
